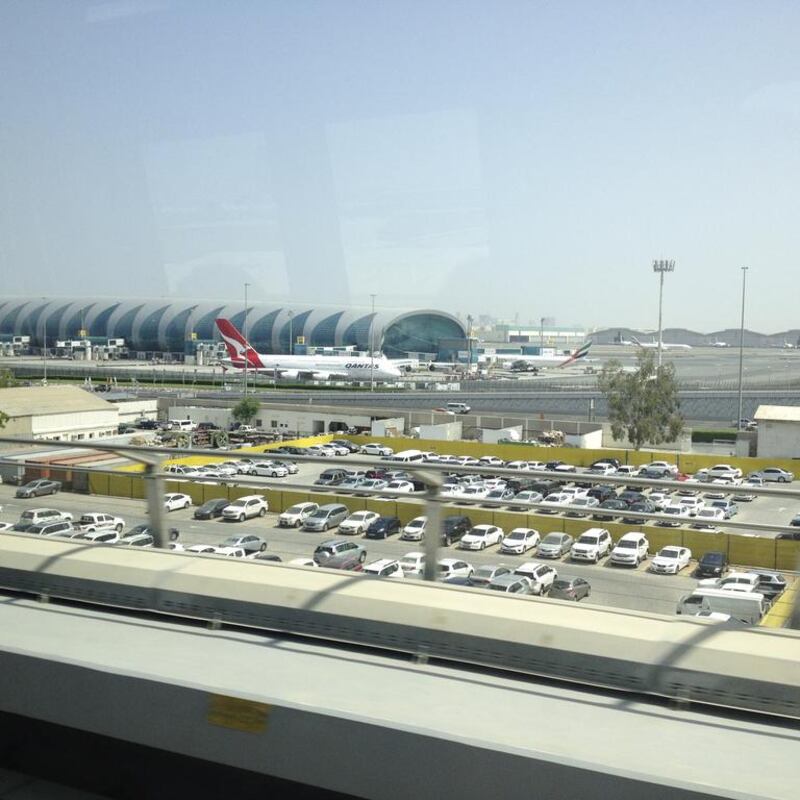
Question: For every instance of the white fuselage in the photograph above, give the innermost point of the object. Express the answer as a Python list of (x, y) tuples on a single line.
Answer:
[(351, 368)]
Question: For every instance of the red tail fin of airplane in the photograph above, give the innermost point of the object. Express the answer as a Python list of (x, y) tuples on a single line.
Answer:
[(238, 347)]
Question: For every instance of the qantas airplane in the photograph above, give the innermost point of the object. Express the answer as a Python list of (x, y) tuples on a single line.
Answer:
[(321, 368), (539, 362), (664, 345)]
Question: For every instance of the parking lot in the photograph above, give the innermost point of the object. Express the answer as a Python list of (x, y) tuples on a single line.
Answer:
[(621, 587)]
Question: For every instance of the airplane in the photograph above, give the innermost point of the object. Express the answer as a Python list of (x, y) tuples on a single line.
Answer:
[(535, 363), (715, 343), (318, 367), (664, 345)]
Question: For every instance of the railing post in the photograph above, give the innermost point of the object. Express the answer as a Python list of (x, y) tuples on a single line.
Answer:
[(154, 489)]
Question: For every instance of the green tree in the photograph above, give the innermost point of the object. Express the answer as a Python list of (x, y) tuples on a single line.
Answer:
[(643, 405), (245, 410)]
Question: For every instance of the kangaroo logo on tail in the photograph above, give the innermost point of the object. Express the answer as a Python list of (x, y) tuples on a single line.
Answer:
[(237, 346)]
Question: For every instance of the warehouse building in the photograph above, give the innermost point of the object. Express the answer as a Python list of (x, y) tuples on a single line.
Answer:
[(778, 431), (61, 413), (177, 326)]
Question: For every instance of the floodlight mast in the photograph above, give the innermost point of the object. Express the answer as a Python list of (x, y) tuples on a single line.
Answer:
[(661, 266)]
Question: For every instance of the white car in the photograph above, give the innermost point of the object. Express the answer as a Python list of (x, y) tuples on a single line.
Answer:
[(295, 516), (269, 469), (480, 537), (724, 471), (252, 505), (554, 503), (322, 450), (6, 526), (694, 504), (453, 568), (672, 468), (520, 540), (574, 491), (603, 468), (233, 552), (491, 461), (627, 470), (100, 537), (404, 487), (520, 465), (414, 531), (358, 522), (477, 492), (671, 560), (303, 562), (384, 568), (776, 475), (631, 549), (201, 549), (413, 563), (660, 499), (526, 497), (734, 582), (374, 449), (499, 496), (591, 545), (89, 523), (175, 501), (707, 519), (468, 461), (535, 465), (677, 514), (581, 506), (541, 576)]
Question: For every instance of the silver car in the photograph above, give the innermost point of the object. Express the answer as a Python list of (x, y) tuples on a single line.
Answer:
[(555, 545), (250, 543)]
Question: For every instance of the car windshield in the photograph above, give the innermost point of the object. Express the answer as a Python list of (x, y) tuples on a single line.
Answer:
[(485, 572), (416, 523), (561, 584), (515, 535), (669, 553), (626, 543), (552, 538), (588, 539)]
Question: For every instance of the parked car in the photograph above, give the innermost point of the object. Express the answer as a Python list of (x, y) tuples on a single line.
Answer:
[(733, 582), (774, 474), (295, 516), (452, 567), (37, 516), (250, 543), (211, 509), (89, 523), (413, 563), (713, 564), (591, 545), (340, 554), (602, 493), (498, 497), (59, 527), (724, 471), (358, 522), (485, 574), (569, 589), (510, 584), (541, 576), (325, 517), (523, 499), (414, 531), (675, 514), (346, 444), (520, 540), (269, 469), (375, 449), (454, 527), (480, 537), (99, 537), (554, 503), (610, 510), (38, 488), (728, 507), (554, 545), (175, 501), (770, 583), (671, 560), (582, 506), (631, 549), (383, 528), (252, 505), (384, 568), (137, 540), (707, 519), (145, 529)]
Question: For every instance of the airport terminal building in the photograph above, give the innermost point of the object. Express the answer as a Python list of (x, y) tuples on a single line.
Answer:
[(176, 326)]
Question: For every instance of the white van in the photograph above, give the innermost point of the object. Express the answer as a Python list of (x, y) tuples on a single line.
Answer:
[(408, 456), (745, 606), (181, 425), (458, 408)]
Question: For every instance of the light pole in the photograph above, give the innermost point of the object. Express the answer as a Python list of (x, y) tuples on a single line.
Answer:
[(541, 336), (244, 326), (661, 267), (741, 348), (291, 337), (372, 346), (469, 345)]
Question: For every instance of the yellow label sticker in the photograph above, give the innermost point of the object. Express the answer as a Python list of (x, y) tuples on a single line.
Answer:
[(238, 714)]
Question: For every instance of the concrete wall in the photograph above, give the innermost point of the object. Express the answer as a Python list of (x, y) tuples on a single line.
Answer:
[(592, 439), (683, 445), (393, 426), (778, 439), (445, 432), (130, 410)]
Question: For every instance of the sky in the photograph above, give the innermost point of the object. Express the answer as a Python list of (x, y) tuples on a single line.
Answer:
[(521, 159)]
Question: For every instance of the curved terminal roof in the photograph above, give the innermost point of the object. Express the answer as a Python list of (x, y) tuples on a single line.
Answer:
[(166, 325)]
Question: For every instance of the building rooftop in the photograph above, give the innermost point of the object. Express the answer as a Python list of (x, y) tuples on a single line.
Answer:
[(778, 413), (27, 401)]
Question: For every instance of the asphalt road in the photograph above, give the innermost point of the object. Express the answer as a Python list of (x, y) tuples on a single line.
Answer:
[(632, 589)]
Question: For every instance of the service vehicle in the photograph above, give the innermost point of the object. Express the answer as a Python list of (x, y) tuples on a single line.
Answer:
[(94, 521), (748, 607)]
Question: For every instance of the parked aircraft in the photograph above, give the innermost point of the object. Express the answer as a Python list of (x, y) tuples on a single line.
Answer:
[(318, 367), (664, 345)]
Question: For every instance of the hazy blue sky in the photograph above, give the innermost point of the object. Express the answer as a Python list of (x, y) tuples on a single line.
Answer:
[(498, 157)]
